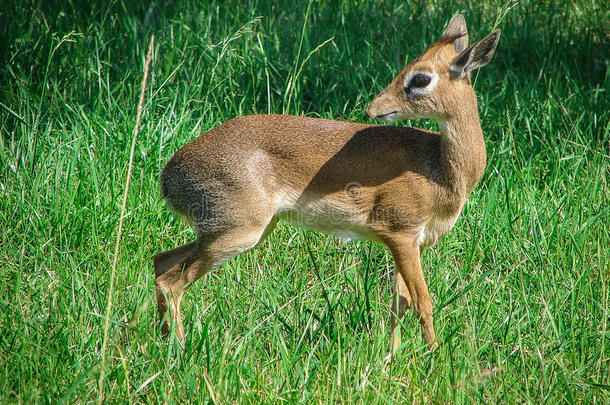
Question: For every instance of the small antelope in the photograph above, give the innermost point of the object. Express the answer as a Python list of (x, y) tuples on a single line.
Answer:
[(404, 187)]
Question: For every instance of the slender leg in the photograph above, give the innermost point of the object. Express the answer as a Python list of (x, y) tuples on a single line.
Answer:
[(171, 286), (178, 269), (406, 255), (165, 260), (402, 301)]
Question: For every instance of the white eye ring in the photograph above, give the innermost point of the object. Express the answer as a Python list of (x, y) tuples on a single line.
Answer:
[(421, 91)]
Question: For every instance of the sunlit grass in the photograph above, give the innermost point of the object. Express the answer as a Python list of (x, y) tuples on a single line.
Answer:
[(521, 285)]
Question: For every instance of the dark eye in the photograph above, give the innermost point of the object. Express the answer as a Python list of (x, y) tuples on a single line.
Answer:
[(419, 80)]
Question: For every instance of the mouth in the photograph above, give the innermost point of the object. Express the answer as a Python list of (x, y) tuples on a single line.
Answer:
[(388, 117)]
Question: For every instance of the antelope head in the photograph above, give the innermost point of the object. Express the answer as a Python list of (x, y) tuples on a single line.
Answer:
[(436, 84)]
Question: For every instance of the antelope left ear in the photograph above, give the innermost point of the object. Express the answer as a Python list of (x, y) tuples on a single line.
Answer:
[(457, 29), (475, 56)]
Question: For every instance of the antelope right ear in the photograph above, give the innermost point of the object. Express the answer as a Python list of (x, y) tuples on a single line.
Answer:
[(475, 56), (457, 29)]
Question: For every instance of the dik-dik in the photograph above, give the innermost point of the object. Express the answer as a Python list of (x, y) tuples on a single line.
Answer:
[(400, 186)]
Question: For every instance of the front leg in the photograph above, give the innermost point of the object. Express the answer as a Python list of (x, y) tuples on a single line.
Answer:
[(406, 253), (400, 303)]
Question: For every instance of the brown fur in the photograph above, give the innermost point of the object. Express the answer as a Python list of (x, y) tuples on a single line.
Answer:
[(404, 187)]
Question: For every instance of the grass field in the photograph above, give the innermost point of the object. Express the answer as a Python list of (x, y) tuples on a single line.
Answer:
[(521, 286)]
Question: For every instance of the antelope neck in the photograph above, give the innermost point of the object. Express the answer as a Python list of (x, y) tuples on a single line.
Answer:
[(463, 155)]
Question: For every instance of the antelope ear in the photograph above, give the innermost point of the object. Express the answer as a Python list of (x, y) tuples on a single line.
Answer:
[(457, 29), (475, 56)]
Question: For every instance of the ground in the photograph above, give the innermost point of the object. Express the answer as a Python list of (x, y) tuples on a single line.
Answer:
[(520, 286)]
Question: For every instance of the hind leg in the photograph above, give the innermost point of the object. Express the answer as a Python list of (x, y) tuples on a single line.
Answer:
[(190, 262), (165, 260), (171, 285)]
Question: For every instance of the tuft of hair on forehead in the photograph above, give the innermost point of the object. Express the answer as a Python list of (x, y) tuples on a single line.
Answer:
[(435, 48), (450, 39)]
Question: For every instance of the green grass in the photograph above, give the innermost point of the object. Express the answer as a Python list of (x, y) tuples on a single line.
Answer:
[(521, 285)]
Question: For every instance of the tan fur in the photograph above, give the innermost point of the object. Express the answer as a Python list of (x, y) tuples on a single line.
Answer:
[(404, 187)]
